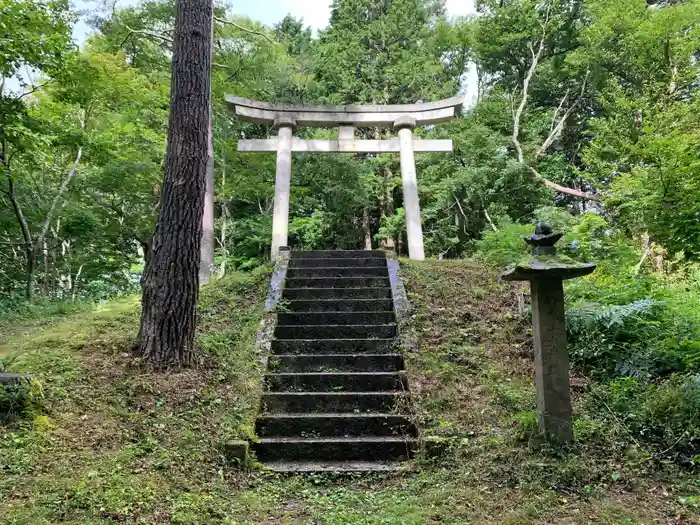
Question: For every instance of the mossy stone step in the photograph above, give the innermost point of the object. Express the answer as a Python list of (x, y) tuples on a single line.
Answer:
[(334, 425), (333, 467), (371, 271), (338, 254), (356, 345), (370, 331), (337, 282), (340, 305), (367, 292), (335, 318), (370, 448), (338, 262), (335, 381), (315, 402), (336, 363)]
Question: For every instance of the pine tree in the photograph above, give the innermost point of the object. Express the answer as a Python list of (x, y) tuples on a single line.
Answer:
[(171, 281)]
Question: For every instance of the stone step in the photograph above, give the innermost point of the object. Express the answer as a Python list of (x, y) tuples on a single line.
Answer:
[(308, 273), (335, 363), (333, 467), (335, 382), (311, 331), (334, 425), (339, 254), (333, 346), (338, 262), (291, 294), (375, 448), (337, 282), (335, 318), (324, 402), (340, 305)]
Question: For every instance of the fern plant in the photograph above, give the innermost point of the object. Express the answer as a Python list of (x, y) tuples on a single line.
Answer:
[(604, 337)]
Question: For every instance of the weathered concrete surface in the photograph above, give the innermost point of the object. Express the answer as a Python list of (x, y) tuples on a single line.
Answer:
[(7, 378), (279, 273), (547, 267), (360, 115), (402, 306), (411, 202), (266, 329), (551, 359), (546, 273), (345, 146), (280, 218)]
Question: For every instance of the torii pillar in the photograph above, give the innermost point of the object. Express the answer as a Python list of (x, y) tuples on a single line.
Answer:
[(283, 183), (403, 119), (411, 202)]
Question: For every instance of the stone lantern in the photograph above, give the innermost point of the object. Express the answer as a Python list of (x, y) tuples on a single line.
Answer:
[(546, 272)]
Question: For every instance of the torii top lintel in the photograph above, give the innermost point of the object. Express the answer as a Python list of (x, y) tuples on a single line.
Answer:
[(358, 116)]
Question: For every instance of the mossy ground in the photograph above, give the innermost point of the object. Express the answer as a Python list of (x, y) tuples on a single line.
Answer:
[(117, 444)]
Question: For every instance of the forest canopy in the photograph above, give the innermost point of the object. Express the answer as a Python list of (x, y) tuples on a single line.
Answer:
[(587, 116)]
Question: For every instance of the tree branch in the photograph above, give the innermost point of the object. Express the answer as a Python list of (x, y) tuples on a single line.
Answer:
[(24, 226), (62, 189), (165, 38), (555, 132), (245, 29), (523, 101), (34, 89), (563, 189), (57, 197)]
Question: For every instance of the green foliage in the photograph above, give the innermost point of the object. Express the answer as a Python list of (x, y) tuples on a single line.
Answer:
[(505, 246), (605, 338), (21, 399), (40, 35), (665, 415)]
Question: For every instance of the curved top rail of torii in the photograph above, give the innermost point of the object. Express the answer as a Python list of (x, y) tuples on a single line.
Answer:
[(424, 114)]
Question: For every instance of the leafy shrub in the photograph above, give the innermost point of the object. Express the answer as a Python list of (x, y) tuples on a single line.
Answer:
[(665, 416), (505, 246), (20, 399), (604, 337), (646, 339)]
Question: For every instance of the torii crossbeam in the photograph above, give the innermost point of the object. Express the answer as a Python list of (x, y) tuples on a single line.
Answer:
[(403, 118)]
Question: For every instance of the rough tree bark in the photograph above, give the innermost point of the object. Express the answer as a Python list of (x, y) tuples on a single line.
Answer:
[(171, 282)]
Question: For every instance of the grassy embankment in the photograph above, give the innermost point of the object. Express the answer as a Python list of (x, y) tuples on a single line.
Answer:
[(115, 443)]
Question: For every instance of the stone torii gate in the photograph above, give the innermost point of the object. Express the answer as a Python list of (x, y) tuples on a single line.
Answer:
[(402, 118)]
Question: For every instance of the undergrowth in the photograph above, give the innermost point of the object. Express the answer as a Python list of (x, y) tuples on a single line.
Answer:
[(112, 442)]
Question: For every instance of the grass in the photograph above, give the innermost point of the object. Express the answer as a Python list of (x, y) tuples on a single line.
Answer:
[(117, 444)]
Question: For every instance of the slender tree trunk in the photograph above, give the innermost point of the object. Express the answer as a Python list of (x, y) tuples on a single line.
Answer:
[(224, 222), (206, 266), (47, 269), (171, 282), (30, 257), (366, 228), (389, 242)]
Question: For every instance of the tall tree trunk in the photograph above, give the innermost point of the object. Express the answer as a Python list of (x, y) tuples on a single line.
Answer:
[(206, 266), (171, 282), (388, 211), (366, 228)]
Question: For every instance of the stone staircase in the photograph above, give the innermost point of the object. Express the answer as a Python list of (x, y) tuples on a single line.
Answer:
[(335, 388)]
